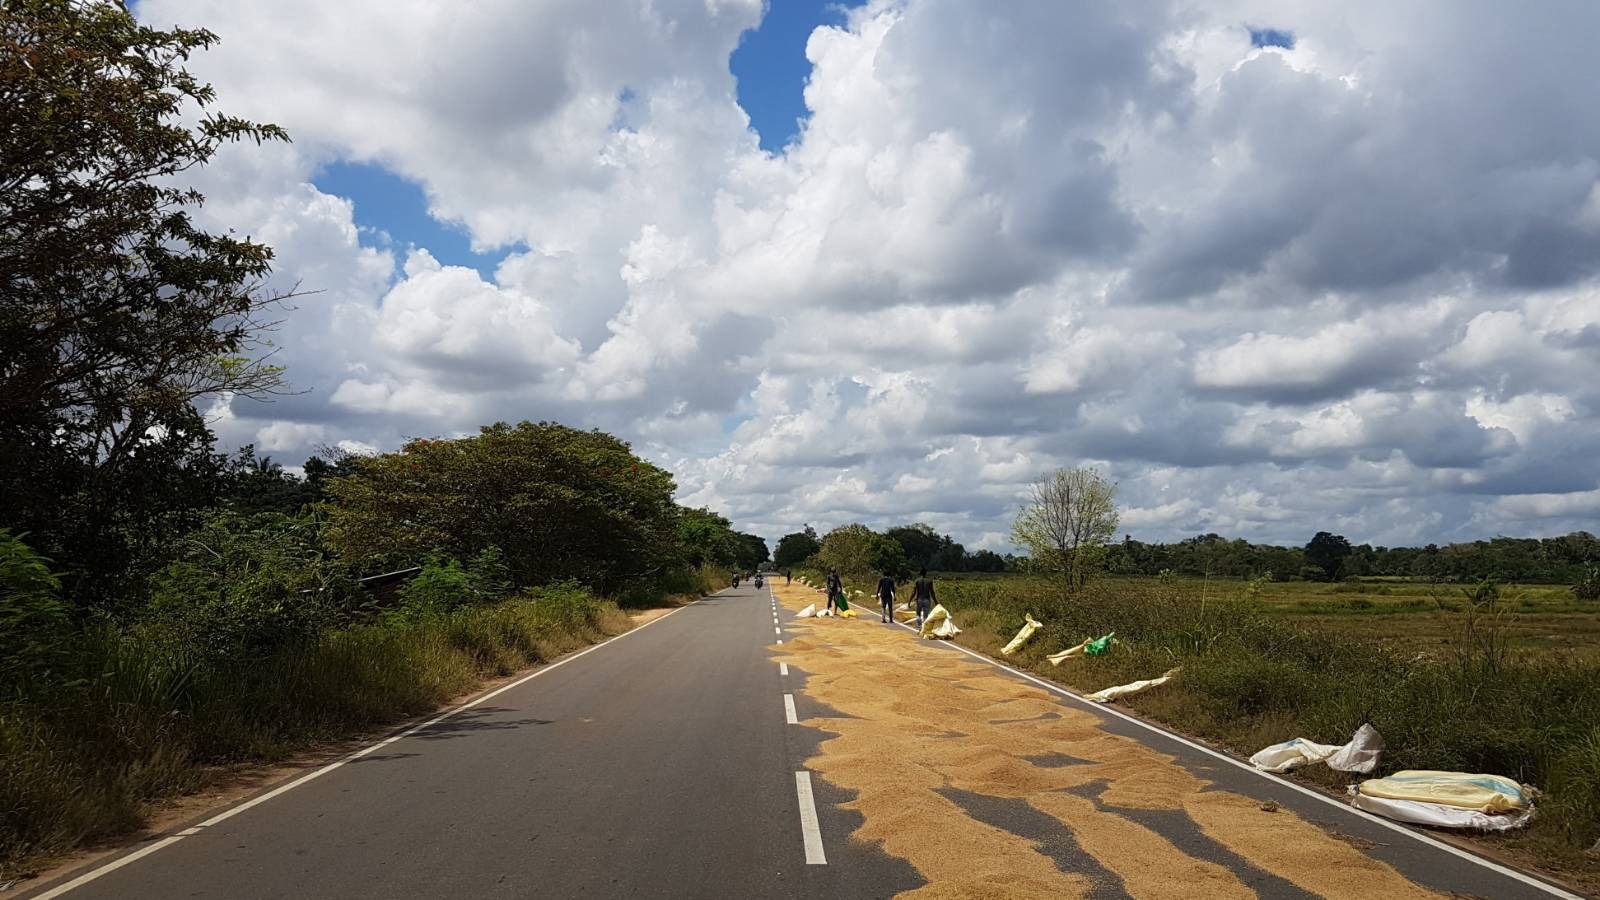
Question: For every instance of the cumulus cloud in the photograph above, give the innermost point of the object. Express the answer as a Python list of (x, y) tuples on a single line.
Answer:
[(1352, 284)]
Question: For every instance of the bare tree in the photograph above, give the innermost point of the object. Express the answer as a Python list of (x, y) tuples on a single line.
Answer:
[(1070, 517)]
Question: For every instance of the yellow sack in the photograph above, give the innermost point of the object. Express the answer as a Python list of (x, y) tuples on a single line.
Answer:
[(1028, 628), (938, 624), (848, 614), (1485, 793), (1057, 659)]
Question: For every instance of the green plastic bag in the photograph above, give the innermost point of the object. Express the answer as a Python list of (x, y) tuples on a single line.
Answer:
[(1099, 647), (840, 602)]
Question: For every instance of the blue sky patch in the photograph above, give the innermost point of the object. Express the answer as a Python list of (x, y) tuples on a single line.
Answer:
[(1272, 37), (387, 203), (771, 67)]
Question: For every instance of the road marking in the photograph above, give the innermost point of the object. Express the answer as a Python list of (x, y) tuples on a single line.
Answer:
[(783, 669), (808, 820), (788, 710), (777, 630), (171, 839), (1106, 708)]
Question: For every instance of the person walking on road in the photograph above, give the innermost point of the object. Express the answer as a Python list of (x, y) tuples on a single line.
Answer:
[(835, 588), (922, 595), (786, 578), (886, 594)]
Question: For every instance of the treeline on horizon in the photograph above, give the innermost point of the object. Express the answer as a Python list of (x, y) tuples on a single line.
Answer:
[(1568, 559)]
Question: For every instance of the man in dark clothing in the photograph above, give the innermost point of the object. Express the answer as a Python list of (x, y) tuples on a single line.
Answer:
[(922, 595), (835, 588), (886, 594), (786, 578)]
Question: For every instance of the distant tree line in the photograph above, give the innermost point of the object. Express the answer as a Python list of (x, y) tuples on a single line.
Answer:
[(1326, 557), (1559, 560), (900, 550)]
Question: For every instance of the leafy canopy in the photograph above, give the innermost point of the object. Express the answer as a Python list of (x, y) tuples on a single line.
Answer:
[(558, 502), (118, 312)]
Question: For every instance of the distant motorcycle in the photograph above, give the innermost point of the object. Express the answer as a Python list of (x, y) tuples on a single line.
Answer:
[(758, 582)]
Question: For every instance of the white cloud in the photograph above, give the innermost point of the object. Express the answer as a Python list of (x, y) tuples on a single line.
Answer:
[(1273, 291)]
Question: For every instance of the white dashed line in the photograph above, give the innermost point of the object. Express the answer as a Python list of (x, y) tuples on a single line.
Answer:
[(788, 710), (808, 820), (783, 669)]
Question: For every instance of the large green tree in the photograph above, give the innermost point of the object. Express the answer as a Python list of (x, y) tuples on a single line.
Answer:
[(1328, 552), (116, 311), (558, 502), (857, 551), (795, 548)]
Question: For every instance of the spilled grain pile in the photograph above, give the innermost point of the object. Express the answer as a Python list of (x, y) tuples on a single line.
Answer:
[(923, 734)]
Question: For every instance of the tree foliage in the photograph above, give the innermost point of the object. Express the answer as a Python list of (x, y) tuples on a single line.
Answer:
[(116, 311), (33, 622), (857, 551), (1070, 517), (927, 549), (558, 502), (795, 548), (1328, 553), (245, 585)]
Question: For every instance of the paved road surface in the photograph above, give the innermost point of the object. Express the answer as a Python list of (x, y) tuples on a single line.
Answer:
[(662, 764)]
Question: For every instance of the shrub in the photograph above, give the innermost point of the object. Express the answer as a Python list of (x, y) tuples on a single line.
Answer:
[(445, 585), (1589, 587), (244, 585), (33, 623)]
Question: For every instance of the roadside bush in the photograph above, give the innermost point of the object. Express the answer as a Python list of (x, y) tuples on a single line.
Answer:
[(33, 623), (445, 585), (1589, 587), (245, 585)]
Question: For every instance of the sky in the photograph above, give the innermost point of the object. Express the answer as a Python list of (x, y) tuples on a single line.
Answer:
[(1276, 268)]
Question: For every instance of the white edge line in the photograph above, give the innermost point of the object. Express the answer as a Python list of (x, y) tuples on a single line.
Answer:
[(1551, 889), (788, 710), (808, 820), (229, 813), (783, 669)]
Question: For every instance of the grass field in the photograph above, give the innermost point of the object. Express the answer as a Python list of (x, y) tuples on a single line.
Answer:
[(1420, 618)]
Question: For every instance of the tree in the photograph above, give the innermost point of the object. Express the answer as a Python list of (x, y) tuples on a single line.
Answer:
[(986, 561), (750, 551), (857, 551), (794, 549), (117, 313), (707, 538), (1070, 517), (928, 549), (1328, 552), (558, 502)]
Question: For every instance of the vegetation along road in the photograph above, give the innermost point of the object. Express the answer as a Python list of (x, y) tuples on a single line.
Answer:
[(730, 749)]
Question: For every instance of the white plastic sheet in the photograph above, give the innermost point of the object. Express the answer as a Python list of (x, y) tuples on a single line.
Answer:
[(806, 613), (1028, 628), (1124, 690), (1359, 755), (1440, 815)]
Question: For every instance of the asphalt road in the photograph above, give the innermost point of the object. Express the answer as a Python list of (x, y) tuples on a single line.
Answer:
[(659, 765), (662, 764)]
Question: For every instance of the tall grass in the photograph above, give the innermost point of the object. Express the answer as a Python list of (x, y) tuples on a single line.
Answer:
[(139, 718), (1250, 679)]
